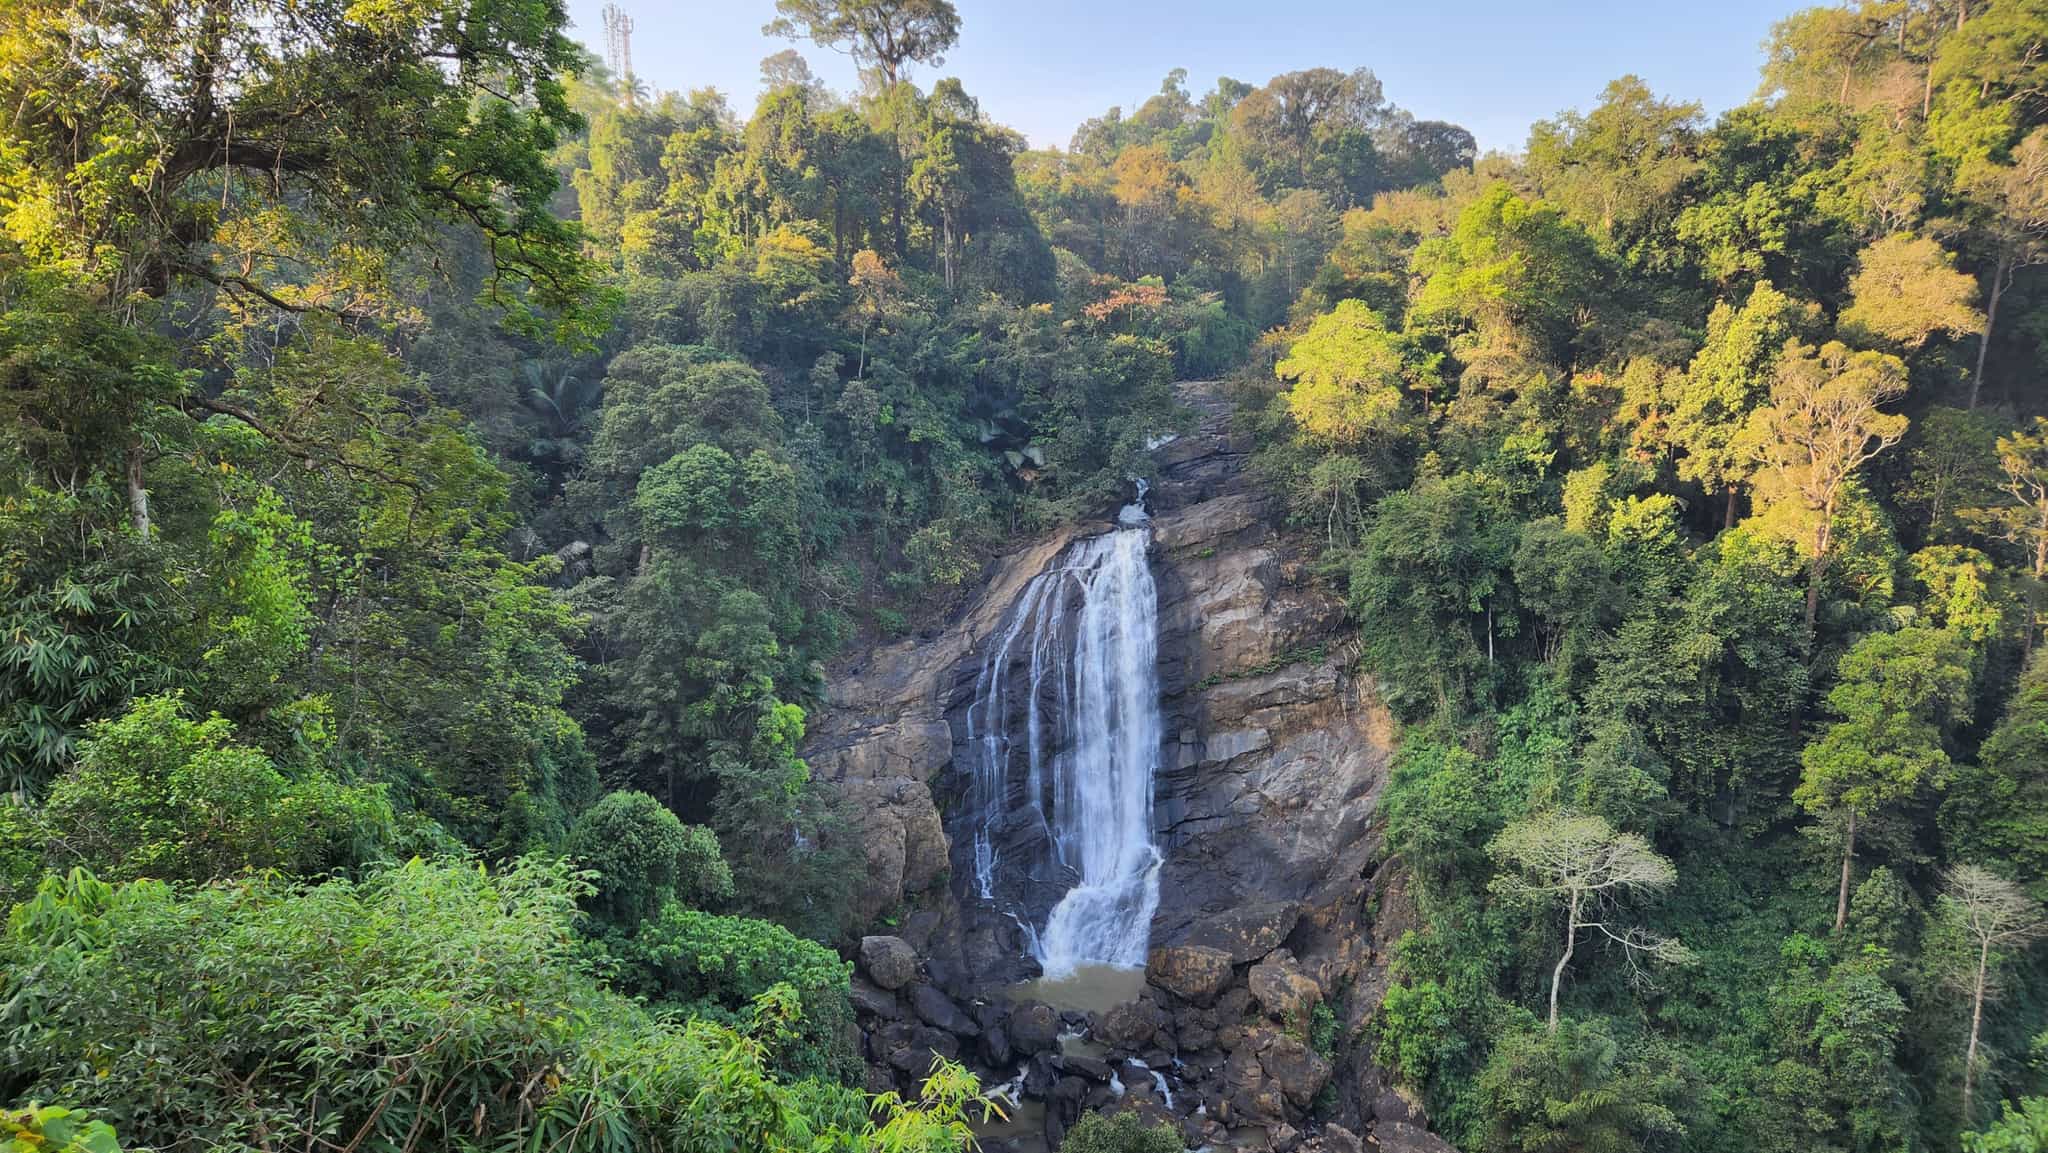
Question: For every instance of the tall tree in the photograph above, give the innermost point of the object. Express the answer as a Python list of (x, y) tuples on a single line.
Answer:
[(1726, 382), (882, 36), (2011, 209), (1994, 917), (1897, 692), (2022, 518), (1822, 425)]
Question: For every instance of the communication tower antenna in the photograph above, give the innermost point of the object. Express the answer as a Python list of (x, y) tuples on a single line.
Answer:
[(618, 46)]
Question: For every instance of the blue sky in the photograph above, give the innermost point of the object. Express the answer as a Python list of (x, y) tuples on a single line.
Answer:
[(1043, 66)]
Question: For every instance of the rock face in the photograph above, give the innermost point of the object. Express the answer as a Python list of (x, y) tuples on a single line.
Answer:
[(1274, 752)]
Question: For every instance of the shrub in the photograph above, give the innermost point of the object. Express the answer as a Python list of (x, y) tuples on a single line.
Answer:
[(427, 1006), (156, 794), (719, 967), (645, 857), (1124, 1133)]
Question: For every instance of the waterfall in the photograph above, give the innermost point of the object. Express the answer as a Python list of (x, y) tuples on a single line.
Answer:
[(1092, 691)]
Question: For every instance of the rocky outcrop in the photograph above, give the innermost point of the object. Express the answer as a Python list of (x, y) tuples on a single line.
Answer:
[(1275, 750)]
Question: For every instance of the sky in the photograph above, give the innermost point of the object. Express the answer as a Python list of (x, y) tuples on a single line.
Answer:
[(1044, 66)]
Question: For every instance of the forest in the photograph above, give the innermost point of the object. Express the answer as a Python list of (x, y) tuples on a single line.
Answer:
[(439, 478)]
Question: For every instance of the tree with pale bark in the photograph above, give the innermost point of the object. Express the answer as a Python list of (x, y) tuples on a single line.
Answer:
[(2011, 203), (1995, 918), (1589, 867)]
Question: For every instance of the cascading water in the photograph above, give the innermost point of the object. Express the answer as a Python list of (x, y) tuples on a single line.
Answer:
[(1093, 694)]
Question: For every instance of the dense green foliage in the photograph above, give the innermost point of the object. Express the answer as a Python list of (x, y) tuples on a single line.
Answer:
[(1683, 478), (435, 474)]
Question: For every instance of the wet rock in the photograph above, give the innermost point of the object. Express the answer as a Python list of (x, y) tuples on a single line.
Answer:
[(1338, 1139), (889, 962), (1247, 933), (1131, 1025), (1039, 1076), (1195, 973), (1066, 1096), (1400, 1137), (1093, 1068), (995, 1047), (1195, 1036), (1034, 1027), (1283, 1138), (1282, 990), (938, 1010), (873, 1002), (1097, 1099)]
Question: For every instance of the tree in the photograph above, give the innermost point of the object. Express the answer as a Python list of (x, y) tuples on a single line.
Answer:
[(1123, 1133), (1621, 169), (1728, 379), (1590, 867), (882, 36), (1996, 812), (1896, 692), (1823, 423), (1906, 289), (2011, 203), (2022, 1128), (646, 858), (1347, 371), (2023, 519), (159, 145), (1995, 917)]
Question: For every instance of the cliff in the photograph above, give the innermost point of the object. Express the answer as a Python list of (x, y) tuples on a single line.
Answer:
[(1274, 755)]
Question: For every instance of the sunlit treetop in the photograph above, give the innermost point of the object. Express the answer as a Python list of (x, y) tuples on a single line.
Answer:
[(284, 151)]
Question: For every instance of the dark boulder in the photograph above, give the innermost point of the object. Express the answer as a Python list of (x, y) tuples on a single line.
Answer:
[(1034, 1027), (889, 962), (872, 1001), (1131, 1025), (938, 1010)]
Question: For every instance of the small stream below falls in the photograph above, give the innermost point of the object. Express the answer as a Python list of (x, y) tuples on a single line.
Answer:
[(1065, 754)]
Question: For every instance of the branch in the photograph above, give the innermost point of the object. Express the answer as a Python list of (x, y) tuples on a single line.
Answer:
[(296, 447)]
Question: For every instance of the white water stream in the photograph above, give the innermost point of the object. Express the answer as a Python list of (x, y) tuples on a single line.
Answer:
[(1094, 799)]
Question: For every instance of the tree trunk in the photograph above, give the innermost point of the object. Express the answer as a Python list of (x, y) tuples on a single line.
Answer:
[(2033, 596), (1812, 596), (1848, 863), (1571, 940), (1728, 516), (1976, 1025), (1998, 279), (138, 496)]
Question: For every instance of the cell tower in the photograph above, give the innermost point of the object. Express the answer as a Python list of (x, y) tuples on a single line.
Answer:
[(618, 46)]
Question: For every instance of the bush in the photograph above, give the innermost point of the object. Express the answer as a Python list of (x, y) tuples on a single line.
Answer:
[(428, 1006), (1124, 1133), (720, 967), (645, 858), (156, 794)]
